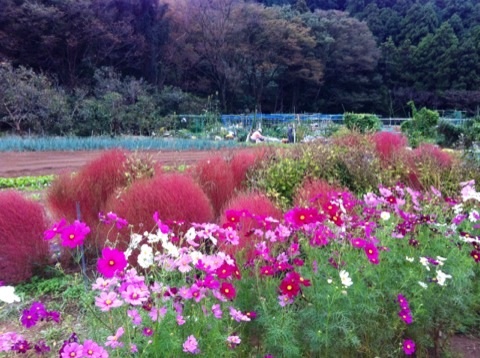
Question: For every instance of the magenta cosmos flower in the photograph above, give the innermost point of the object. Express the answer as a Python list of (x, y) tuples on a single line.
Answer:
[(191, 345), (57, 228), (228, 290), (408, 347), (112, 261), (74, 235)]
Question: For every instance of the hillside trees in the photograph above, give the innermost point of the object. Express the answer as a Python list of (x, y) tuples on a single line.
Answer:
[(238, 48), (31, 101)]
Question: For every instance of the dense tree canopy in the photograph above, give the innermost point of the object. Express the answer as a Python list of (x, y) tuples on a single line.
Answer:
[(268, 55)]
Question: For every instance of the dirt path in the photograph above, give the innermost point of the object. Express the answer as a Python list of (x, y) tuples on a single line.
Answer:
[(15, 164)]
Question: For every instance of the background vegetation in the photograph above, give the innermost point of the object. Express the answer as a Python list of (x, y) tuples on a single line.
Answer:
[(108, 67)]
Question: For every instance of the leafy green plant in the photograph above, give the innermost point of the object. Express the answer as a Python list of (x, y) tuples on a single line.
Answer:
[(27, 183), (422, 127), (362, 122)]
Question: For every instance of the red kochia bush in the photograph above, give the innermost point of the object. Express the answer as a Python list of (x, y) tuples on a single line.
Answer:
[(431, 154), (216, 179), (91, 187), (22, 248), (315, 193), (174, 196), (388, 144), (241, 162), (254, 203)]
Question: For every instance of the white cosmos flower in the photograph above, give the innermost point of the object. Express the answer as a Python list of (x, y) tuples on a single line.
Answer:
[(7, 294), (409, 259), (385, 215), (171, 249), (423, 284), (195, 256), (345, 278), (135, 240), (442, 277), (145, 259), (424, 262)]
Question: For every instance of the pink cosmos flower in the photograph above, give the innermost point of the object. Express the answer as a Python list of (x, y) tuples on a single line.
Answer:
[(8, 340), (112, 261), (157, 314), (74, 235), (238, 315), (217, 311), (183, 263), (408, 347), (112, 341), (93, 350), (134, 295), (233, 341), (284, 300), (103, 285), (107, 301), (72, 350), (180, 320), (133, 348), (56, 229), (191, 345), (135, 316)]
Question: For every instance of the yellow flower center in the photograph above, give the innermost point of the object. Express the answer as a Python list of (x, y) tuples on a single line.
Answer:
[(227, 290), (71, 236), (289, 287), (108, 302), (111, 262), (302, 217)]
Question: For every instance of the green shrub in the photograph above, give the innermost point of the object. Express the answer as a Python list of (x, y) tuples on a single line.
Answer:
[(422, 127), (362, 122), (448, 134)]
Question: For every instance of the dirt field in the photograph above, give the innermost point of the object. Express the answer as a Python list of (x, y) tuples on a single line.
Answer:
[(15, 164)]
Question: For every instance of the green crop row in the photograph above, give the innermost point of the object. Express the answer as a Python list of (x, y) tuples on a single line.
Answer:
[(19, 144), (26, 183)]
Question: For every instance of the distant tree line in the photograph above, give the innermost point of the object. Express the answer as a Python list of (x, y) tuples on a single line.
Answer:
[(83, 66)]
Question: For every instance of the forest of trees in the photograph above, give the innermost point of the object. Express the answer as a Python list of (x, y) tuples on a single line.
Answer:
[(102, 64)]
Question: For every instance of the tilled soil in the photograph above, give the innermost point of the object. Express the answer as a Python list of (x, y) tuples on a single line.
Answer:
[(15, 164)]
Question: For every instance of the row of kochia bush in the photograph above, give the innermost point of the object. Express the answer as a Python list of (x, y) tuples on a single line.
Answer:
[(322, 281)]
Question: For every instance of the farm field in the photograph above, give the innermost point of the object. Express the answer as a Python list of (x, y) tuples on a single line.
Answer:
[(15, 164)]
